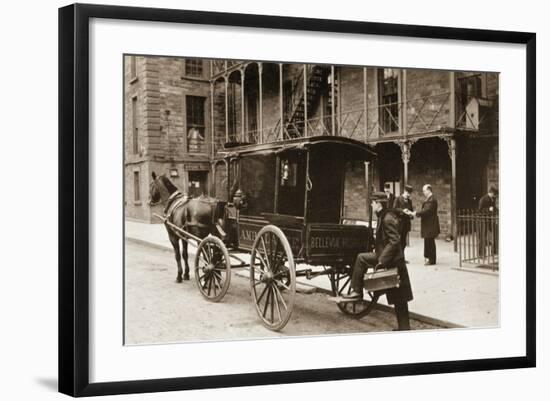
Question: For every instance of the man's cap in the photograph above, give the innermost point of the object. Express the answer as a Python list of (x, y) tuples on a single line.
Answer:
[(379, 197), (493, 189), (409, 189), (387, 185)]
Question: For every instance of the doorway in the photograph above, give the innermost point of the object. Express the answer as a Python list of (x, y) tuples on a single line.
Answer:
[(197, 183)]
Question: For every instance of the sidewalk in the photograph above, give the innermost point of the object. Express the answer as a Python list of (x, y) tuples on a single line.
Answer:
[(441, 292)]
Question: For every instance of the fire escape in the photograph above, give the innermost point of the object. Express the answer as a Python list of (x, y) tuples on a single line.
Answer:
[(299, 107)]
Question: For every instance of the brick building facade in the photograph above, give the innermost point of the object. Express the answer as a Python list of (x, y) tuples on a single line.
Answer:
[(427, 126)]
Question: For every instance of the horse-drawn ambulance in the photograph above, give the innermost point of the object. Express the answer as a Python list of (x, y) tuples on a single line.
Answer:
[(286, 209)]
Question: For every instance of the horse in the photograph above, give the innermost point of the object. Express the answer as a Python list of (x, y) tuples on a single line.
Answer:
[(199, 216)]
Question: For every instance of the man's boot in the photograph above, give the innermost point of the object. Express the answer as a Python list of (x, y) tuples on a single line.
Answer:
[(402, 315)]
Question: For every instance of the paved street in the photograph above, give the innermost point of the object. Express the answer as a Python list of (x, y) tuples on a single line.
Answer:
[(158, 310), (442, 293)]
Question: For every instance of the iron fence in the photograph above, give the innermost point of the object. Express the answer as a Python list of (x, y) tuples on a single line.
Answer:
[(477, 234)]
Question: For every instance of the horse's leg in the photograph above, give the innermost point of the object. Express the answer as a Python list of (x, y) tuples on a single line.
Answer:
[(175, 241), (185, 256)]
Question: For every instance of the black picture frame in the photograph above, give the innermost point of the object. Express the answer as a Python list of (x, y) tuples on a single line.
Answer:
[(74, 198)]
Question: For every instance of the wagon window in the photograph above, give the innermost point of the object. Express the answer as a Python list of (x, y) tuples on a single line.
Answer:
[(355, 192), (257, 181), (326, 175), (288, 173), (292, 183)]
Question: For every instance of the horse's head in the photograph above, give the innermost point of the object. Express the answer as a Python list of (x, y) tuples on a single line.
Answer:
[(160, 189), (154, 191)]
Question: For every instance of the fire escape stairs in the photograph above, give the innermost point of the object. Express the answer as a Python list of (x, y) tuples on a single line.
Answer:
[(295, 108)]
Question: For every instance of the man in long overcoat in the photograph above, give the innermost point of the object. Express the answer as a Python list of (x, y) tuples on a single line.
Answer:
[(402, 204), (388, 253), (429, 224), (488, 230)]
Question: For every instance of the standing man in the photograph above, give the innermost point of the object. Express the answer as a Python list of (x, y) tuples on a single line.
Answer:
[(487, 203), (389, 194), (403, 203), (429, 224), (388, 253), (487, 233)]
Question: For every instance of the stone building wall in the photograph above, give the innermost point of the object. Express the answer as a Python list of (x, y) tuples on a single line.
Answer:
[(430, 164), (160, 89)]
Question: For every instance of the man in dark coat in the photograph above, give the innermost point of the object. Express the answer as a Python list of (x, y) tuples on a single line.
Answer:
[(487, 233), (403, 204), (487, 203), (429, 224), (389, 194), (388, 253)]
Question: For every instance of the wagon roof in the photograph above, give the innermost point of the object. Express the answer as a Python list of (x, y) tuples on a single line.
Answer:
[(346, 145)]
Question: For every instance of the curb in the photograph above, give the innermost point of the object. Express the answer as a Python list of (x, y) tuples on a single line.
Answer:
[(477, 270), (386, 308), (150, 244)]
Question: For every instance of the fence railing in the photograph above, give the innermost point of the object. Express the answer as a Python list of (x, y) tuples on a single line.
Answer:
[(424, 114), (477, 235)]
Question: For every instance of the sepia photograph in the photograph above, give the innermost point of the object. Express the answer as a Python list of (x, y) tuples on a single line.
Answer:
[(271, 199)]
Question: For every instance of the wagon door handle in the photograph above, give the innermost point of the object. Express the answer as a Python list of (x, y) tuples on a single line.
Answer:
[(309, 184)]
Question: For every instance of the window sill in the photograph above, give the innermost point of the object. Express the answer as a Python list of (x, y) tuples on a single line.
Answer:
[(191, 78)]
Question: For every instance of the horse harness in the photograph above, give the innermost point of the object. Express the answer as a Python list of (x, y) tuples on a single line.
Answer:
[(178, 199)]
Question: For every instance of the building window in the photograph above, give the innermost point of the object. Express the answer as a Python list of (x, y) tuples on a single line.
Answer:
[(469, 87), (195, 123), (193, 68), (388, 79), (137, 196), (135, 137)]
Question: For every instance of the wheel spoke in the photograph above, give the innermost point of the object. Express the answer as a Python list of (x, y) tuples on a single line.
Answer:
[(266, 254), (284, 286), (218, 280), (278, 292), (344, 286), (277, 304), (201, 258), (203, 277), (206, 255), (210, 252), (281, 272), (266, 300), (341, 277), (209, 284), (261, 295), (215, 284), (262, 262)]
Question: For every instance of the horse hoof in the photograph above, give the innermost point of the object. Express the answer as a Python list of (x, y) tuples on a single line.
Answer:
[(179, 280), (186, 277)]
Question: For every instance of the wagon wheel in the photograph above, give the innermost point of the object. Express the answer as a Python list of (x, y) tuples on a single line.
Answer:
[(212, 268), (272, 277), (341, 285)]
